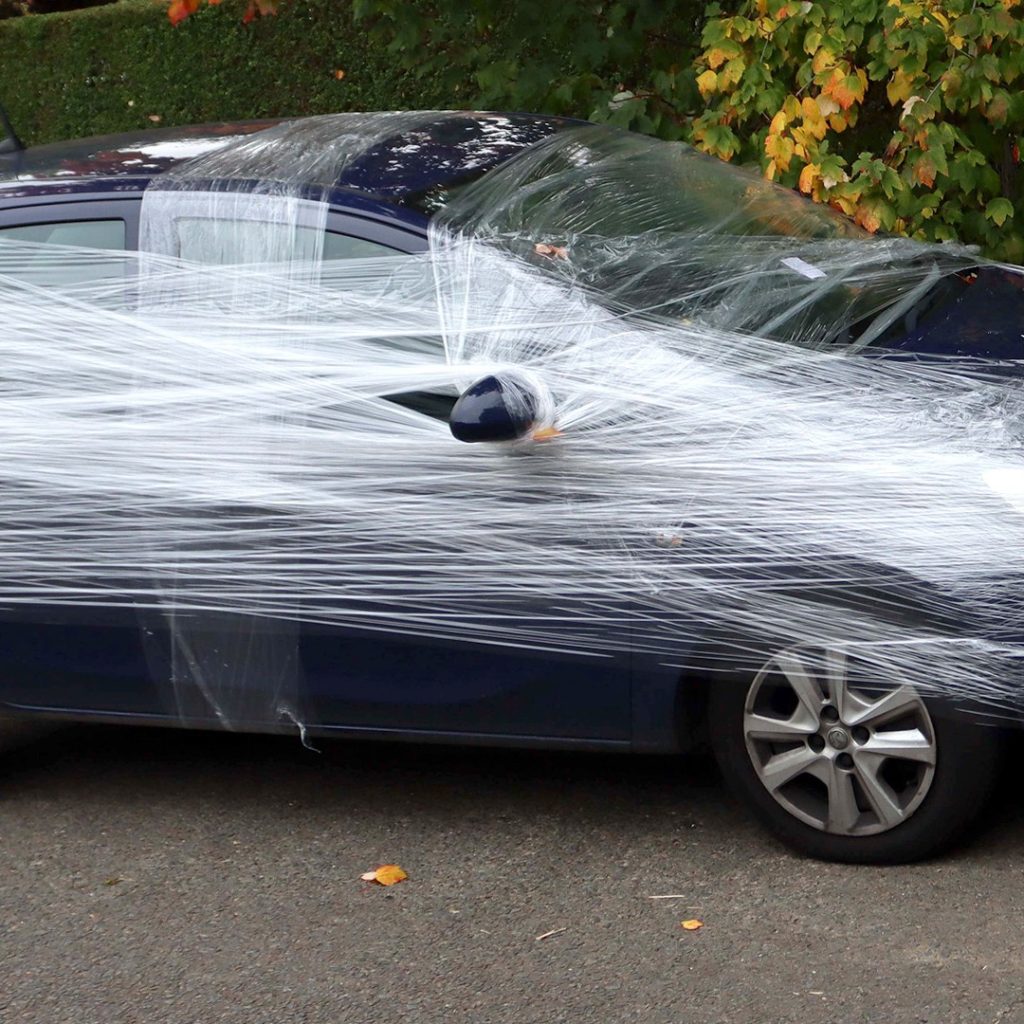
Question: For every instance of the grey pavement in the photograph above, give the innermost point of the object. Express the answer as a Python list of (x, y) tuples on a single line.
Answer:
[(154, 876)]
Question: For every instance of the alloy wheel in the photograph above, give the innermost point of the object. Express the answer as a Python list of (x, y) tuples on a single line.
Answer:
[(844, 755)]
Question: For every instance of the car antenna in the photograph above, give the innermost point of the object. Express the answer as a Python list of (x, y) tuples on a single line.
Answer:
[(11, 144)]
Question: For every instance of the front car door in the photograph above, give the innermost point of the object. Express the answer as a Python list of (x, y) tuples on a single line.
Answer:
[(262, 673)]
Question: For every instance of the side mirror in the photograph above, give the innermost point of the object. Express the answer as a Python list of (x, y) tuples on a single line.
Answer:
[(494, 409)]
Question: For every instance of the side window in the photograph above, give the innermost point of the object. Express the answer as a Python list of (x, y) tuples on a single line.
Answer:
[(96, 234), (216, 240), (435, 403), (47, 268), (345, 247)]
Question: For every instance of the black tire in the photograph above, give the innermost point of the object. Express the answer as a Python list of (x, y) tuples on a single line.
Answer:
[(967, 757)]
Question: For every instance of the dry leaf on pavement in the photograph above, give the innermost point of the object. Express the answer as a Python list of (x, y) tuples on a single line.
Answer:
[(386, 874)]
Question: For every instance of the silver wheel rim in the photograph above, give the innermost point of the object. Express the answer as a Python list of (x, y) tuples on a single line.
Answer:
[(841, 755)]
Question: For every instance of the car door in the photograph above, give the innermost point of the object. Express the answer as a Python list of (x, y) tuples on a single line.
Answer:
[(365, 679), (334, 675), (53, 655)]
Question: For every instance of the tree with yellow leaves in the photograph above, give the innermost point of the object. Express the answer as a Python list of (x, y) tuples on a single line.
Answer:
[(904, 114)]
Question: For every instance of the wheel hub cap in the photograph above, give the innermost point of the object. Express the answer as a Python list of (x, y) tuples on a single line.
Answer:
[(838, 738), (845, 747)]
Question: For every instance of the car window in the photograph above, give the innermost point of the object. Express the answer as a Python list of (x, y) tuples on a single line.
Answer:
[(213, 240), (46, 268), (345, 247), (95, 234), (223, 240)]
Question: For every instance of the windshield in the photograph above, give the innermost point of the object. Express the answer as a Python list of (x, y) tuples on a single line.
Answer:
[(656, 226)]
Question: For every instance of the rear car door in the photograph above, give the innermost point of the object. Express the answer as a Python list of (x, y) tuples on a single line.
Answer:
[(63, 656)]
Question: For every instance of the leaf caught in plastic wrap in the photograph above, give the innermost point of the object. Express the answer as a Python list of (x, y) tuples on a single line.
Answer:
[(557, 252), (545, 433), (386, 874)]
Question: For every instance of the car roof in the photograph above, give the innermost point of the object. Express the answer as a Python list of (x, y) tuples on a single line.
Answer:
[(406, 160), (144, 153)]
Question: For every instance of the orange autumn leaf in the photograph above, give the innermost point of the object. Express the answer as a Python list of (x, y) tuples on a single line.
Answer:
[(179, 10), (838, 122), (691, 924), (843, 204), (846, 89), (545, 433), (716, 57), (867, 218), (814, 121), (840, 91), (899, 88), (925, 171), (386, 874), (780, 149), (808, 176), (556, 252), (707, 83)]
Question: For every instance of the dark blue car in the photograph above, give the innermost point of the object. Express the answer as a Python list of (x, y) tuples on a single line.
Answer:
[(116, 664)]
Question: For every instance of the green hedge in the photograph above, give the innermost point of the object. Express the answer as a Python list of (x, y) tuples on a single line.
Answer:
[(109, 69), (112, 68)]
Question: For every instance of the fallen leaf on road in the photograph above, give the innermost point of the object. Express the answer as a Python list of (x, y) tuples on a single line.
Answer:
[(386, 874), (691, 924)]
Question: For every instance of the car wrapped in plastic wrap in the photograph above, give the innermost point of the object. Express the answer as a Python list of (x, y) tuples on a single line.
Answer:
[(732, 458)]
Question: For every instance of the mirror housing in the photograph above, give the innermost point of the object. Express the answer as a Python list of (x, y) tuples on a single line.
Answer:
[(494, 409)]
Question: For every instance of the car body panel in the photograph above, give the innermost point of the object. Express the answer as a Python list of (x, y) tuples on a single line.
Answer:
[(121, 662)]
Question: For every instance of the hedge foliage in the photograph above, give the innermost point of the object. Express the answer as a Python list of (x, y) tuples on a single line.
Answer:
[(114, 68), (906, 114), (627, 63), (110, 68)]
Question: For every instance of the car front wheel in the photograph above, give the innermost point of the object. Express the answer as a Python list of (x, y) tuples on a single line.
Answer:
[(847, 771)]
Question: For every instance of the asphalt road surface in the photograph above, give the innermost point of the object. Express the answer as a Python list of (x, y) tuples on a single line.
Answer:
[(150, 876)]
